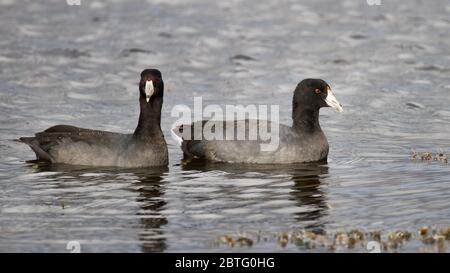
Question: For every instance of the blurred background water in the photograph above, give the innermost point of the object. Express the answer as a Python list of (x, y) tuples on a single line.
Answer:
[(389, 65)]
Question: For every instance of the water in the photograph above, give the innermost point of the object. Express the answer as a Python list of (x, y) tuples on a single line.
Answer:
[(389, 66)]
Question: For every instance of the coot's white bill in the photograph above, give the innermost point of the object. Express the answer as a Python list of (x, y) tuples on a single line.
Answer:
[(149, 90), (332, 101)]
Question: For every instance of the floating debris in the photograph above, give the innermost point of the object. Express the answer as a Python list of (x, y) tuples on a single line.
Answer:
[(423, 231), (354, 240), (241, 241), (227, 239), (244, 241), (446, 233), (283, 239), (441, 157), (427, 156)]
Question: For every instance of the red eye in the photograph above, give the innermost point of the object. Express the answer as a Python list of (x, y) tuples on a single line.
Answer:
[(317, 91)]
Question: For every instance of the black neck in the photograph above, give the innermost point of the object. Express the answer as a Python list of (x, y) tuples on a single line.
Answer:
[(149, 118), (305, 119)]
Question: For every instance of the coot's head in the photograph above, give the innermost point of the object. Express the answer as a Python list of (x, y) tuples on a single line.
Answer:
[(314, 94), (151, 85)]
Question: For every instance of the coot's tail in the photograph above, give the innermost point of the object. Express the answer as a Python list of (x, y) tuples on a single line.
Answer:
[(35, 146)]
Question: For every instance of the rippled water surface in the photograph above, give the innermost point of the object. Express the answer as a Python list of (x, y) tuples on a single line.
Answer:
[(389, 66)]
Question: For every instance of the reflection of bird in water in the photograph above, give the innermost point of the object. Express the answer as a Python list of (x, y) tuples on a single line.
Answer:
[(305, 190), (146, 182), (151, 203)]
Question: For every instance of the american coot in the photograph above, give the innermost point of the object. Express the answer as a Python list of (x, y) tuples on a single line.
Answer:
[(78, 146), (303, 142)]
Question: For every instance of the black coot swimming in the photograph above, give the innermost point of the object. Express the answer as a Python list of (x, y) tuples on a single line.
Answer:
[(304, 141), (77, 146)]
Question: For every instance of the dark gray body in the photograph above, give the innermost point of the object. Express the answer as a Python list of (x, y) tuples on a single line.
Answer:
[(294, 146), (78, 146), (146, 147), (303, 142)]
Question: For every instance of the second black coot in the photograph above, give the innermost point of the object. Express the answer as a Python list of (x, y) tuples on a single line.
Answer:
[(304, 141)]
